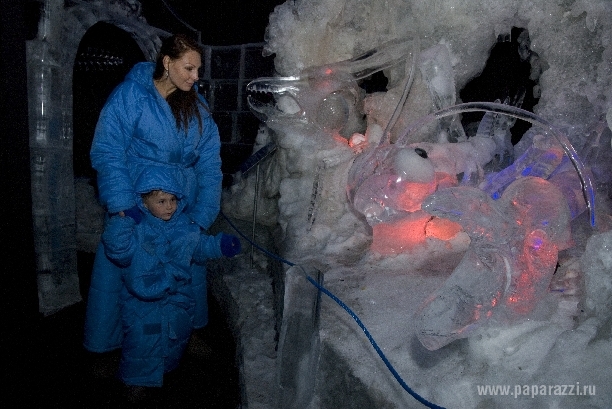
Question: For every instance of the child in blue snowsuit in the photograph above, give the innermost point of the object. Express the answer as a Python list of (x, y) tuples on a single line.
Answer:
[(163, 284)]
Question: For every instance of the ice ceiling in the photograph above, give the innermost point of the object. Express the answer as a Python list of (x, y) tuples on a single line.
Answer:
[(394, 174)]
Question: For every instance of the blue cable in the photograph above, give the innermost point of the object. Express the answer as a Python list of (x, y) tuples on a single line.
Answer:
[(380, 353)]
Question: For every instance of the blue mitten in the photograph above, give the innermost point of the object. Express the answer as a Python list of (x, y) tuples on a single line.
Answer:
[(134, 213), (117, 239), (230, 245)]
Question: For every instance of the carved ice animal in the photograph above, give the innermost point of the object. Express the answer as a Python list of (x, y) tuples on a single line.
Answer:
[(510, 261), (327, 96), (373, 179)]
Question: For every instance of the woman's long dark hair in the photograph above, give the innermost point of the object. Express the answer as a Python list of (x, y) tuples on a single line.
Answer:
[(184, 104)]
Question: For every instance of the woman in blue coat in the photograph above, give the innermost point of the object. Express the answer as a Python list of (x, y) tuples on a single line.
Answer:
[(155, 117), (162, 275)]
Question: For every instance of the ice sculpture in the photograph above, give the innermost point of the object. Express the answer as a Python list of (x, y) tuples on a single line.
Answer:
[(517, 219), (437, 71), (510, 261), (541, 159), (374, 177), (327, 96), (497, 127), (389, 182)]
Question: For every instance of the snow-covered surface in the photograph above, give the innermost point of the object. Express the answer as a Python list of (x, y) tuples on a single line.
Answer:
[(544, 350)]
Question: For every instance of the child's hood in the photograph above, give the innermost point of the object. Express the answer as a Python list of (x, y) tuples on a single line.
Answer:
[(160, 178)]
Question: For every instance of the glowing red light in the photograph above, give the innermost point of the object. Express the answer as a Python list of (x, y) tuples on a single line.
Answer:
[(340, 139), (537, 264), (394, 238), (442, 229), (412, 194)]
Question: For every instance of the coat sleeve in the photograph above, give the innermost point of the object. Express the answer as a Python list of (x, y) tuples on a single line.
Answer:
[(208, 174), (208, 247), (112, 138)]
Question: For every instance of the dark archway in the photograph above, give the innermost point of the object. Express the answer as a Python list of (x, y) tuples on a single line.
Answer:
[(508, 73), (105, 55)]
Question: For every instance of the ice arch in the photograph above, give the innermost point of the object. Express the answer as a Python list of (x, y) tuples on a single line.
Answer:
[(106, 54)]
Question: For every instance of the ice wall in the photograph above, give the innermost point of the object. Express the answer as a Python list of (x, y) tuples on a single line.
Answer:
[(572, 41), (565, 338), (53, 205)]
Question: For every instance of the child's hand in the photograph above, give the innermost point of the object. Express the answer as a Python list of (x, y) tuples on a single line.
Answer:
[(230, 245)]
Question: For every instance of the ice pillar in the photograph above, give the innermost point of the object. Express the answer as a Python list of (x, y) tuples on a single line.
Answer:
[(53, 206), (299, 342)]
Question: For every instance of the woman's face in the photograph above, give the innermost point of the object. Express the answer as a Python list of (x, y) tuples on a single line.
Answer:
[(183, 72)]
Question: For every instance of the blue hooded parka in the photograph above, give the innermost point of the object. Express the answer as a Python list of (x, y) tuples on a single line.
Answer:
[(164, 284), (136, 130)]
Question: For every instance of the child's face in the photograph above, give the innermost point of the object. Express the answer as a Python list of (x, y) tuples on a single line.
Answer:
[(161, 204)]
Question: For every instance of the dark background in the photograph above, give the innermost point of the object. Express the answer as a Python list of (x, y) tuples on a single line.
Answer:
[(221, 22), (17, 268)]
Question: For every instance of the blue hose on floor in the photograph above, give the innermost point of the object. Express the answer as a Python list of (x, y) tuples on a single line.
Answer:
[(350, 312)]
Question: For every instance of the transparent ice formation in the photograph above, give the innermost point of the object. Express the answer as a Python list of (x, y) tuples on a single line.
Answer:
[(540, 160), (373, 178), (497, 127), (381, 181), (509, 263), (517, 219), (326, 96), (437, 72)]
